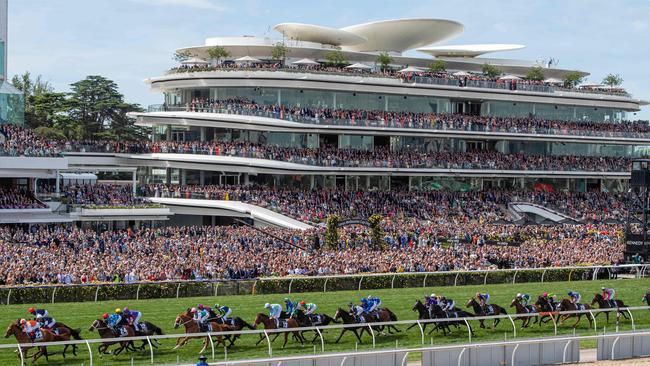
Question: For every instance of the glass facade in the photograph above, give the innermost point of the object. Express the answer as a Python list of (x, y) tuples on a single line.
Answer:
[(552, 111), (12, 105)]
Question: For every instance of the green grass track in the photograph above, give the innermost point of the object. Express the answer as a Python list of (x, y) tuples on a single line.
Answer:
[(162, 312)]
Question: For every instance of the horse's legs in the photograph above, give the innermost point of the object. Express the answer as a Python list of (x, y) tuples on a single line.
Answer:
[(340, 335), (357, 334), (276, 336), (577, 321), (286, 338), (64, 350)]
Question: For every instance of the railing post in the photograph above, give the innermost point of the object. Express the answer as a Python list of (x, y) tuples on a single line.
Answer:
[(8, 296), (566, 346), (543, 273), (570, 273), (137, 292), (594, 276), (372, 333), (268, 342), (514, 278), (404, 358), (456, 278), (594, 319), (216, 289), (469, 331), (290, 283), (631, 318), (392, 282), (20, 352), (421, 330), (322, 341), (514, 353), (554, 323), (460, 355), (178, 289), (90, 352), (150, 349), (53, 293), (614, 346), (424, 282), (485, 278), (345, 358), (325, 284), (514, 327), (212, 345), (360, 280), (96, 293)]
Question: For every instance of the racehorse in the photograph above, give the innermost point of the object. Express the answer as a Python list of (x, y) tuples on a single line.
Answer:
[(525, 320), (568, 305), (383, 315), (480, 311), (604, 304), (74, 333), (187, 320), (271, 324), (46, 335), (236, 323), (107, 332), (145, 329), (545, 309), (438, 313), (348, 318), (423, 314), (646, 298), (311, 320)]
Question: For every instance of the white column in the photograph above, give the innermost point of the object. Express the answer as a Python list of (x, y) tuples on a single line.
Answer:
[(202, 177), (58, 184), (134, 181), (183, 179), (202, 134)]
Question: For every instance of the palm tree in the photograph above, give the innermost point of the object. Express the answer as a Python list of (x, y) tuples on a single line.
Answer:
[(217, 53), (384, 59)]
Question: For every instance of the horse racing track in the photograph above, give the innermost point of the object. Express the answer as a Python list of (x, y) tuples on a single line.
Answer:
[(164, 312)]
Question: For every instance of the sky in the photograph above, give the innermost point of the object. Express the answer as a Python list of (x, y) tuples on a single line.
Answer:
[(130, 40)]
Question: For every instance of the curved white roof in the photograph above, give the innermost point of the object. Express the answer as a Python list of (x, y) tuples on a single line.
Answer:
[(319, 34), (400, 35), (468, 50)]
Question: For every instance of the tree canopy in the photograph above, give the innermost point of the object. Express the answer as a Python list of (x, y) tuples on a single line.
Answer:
[(437, 66), (613, 80), (279, 51), (535, 73), (217, 53), (384, 59), (335, 58), (573, 79), (491, 70)]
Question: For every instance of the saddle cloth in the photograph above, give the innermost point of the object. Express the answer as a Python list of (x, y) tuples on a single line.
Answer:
[(36, 335), (315, 319), (360, 318), (283, 323), (530, 309)]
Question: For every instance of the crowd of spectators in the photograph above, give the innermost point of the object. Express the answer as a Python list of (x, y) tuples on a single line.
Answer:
[(14, 198), (100, 194), (436, 121), (66, 254), (20, 141)]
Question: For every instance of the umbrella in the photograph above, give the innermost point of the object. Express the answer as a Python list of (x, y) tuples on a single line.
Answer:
[(305, 61), (510, 77), (358, 65), (248, 59), (194, 61), (553, 81), (461, 73), (411, 69)]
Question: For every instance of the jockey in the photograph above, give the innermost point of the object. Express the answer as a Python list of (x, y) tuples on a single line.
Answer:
[(133, 318), (447, 304), (308, 308), (524, 299), (575, 297), (199, 316), (289, 306), (274, 312), (206, 308), (46, 321), (375, 300), (356, 309), (483, 299), (37, 312), (112, 321), (224, 311), (608, 295), (429, 301), (30, 326), (366, 305)]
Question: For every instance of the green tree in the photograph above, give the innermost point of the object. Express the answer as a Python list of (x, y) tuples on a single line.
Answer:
[(490, 71), (335, 58), (182, 55), (279, 51), (613, 80), (376, 231), (94, 102), (31, 88), (384, 59), (331, 231), (437, 66), (217, 53), (535, 73), (573, 79)]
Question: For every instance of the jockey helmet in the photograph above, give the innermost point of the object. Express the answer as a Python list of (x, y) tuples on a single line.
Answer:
[(602, 288), (118, 311), (31, 310), (519, 294), (105, 316), (478, 294), (302, 303), (216, 306), (570, 293), (267, 305), (364, 300), (193, 310), (200, 306), (545, 294), (286, 299), (23, 321), (433, 295), (126, 310)]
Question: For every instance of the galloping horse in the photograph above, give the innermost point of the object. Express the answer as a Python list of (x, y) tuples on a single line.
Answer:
[(236, 323), (438, 313), (423, 314), (480, 311), (270, 324), (46, 336), (646, 298), (604, 304), (187, 320), (383, 315), (107, 332), (568, 305), (531, 309), (545, 309), (311, 320), (347, 318)]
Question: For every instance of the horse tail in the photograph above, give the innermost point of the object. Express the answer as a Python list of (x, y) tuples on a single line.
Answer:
[(392, 315), (245, 324), (156, 329), (502, 310), (75, 333)]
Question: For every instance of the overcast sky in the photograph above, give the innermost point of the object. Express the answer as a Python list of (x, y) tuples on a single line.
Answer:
[(130, 40)]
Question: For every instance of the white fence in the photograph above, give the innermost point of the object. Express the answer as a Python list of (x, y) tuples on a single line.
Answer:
[(371, 327), (133, 290)]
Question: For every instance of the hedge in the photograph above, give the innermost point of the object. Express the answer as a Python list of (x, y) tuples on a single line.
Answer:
[(80, 293)]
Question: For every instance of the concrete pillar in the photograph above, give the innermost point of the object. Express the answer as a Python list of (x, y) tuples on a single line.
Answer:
[(202, 177), (168, 133), (168, 176), (58, 183), (183, 173), (135, 184), (202, 134)]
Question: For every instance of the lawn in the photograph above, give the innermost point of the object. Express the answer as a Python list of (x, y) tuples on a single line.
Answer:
[(162, 312)]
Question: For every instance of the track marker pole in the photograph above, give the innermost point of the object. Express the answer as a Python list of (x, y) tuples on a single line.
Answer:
[(90, 351), (372, 333), (421, 330), (514, 353), (566, 346), (150, 349), (460, 355), (514, 327)]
